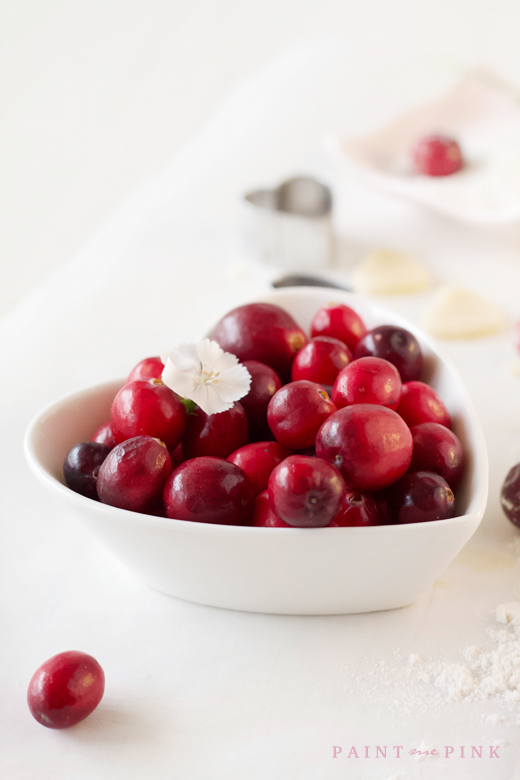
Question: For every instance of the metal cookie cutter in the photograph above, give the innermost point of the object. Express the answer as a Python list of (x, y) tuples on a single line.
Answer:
[(290, 226)]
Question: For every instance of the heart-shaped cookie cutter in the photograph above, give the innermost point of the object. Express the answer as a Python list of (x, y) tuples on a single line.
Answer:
[(290, 226)]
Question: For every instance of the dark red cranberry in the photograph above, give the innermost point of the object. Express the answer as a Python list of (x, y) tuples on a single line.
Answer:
[(149, 368), (81, 467), (263, 332), (296, 412), (420, 404), (437, 449), (147, 407), (258, 460), (396, 345), (176, 456), (209, 490), (263, 515), (510, 495), (65, 689), (358, 511), (215, 434), (264, 384), (437, 155), (420, 497), (368, 380), (321, 360), (369, 444), (339, 321), (104, 435), (133, 474), (306, 492)]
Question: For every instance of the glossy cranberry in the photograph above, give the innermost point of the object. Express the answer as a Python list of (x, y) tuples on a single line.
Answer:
[(257, 460), (65, 689), (420, 497), (147, 407), (296, 412), (339, 321), (369, 444), (420, 404), (263, 515), (358, 511), (81, 467), (215, 434), (396, 345), (306, 492), (209, 490), (321, 360), (437, 449), (149, 368), (263, 332), (133, 474), (510, 495), (104, 435), (437, 155), (368, 380), (264, 384)]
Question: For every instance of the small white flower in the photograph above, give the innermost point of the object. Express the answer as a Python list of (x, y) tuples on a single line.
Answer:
[(205, 374)]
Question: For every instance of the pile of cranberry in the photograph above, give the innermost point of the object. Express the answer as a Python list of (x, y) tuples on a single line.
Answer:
[(336, 430)]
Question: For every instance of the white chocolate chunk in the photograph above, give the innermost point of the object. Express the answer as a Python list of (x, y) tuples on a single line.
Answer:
[(457, 313), (390, 273)]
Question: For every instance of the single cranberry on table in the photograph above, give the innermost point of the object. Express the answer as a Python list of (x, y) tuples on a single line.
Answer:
[(104, 435), (209, 490), (264, 384), (358, 511), (257, 460), (437, 155), (321, 360), (263, 332), (397, 345), (510, 495), (437, 449), (149, 368), (420, 497), (296, 412), (65, 689), (306, 492), (146, 407), (420, 404), (368, 380), (371, 446), (263, 515), (133, 474), (339, 321), (217, 435), (81, 467)]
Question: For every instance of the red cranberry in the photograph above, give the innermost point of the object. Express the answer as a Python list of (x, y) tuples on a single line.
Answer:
[(133, 474), (176, 456), (510, 495), (215, 434), (65, 689), (370, 445), (104, 435), (358, 511), (146, 407), (263, 515), (81, 467), (420, 497), (264, 384), (437, 449), (396, 345), (258, 460), (149, 368), (339, 321), (420, 404), (306, 492), (437, 155), (321, 360), (209, 490), (368, 380), (263, 332), (296, 412)]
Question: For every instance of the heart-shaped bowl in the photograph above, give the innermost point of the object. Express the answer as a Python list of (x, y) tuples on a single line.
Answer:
[(312, 571)]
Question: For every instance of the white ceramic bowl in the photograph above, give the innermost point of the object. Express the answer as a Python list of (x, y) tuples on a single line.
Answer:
[(289, 571)]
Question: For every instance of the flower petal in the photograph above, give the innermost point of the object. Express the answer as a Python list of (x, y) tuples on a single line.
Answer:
[(234, 383), (207, 398), (181, 382)]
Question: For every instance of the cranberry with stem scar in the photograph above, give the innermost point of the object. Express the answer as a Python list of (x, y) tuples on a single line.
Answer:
[(339, 321), (296, 412), (397, 345), (420, 497), (149, 368), (321, 360), (368, 380), (358, 511), (146, 407)]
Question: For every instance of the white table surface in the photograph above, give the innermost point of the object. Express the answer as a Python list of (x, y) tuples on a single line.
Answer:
[(196, 692)]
